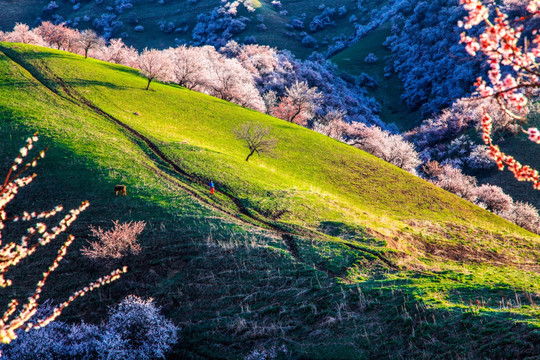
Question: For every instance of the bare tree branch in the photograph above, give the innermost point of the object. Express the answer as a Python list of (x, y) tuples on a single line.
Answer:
[(256, 138)]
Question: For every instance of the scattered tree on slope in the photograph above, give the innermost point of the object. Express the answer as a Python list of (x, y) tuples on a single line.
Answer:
[(90, 40), (256, 138), (154, 64)]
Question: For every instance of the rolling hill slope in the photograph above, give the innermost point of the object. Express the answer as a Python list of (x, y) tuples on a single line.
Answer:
[(322, 247)]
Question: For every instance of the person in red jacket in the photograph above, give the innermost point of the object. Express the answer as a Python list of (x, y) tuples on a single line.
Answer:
[(212, 188)]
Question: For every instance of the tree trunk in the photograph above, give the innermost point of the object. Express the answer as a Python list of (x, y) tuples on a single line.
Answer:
[(251, 153), (295, 115), (148, 85)]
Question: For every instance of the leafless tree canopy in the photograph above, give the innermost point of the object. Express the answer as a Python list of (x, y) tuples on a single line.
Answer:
[(257, 139)]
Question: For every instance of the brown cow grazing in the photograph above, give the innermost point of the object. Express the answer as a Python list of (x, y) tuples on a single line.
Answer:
[(120, 190)]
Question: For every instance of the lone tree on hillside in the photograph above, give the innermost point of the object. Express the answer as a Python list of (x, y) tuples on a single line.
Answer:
[(153, 64), (256, 138)]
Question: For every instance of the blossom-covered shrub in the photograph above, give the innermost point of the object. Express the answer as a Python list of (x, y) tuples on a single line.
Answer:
[(56, 341), (453, 180), (494, 199), (116, 242), (218, 27), (323, 20), (272, 353), (371, 58), (22, 33), (154, 64), (389, 147), (135, 330), (479, 158), (524, 215)]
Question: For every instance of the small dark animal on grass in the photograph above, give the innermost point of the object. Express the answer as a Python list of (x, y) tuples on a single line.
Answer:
[(120, 190)]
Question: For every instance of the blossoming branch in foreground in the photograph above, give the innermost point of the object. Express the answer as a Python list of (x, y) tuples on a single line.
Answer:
[(499, 42), (521, 172), (12, 253)]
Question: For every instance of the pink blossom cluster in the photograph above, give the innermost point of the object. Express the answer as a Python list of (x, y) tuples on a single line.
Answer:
[(521, 172), (534, 135), (477, 13), (513, 70), (499, 42), (534, 6)]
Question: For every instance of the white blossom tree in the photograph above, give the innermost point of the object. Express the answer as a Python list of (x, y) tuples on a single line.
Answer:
[(228, 80), (117, 52), (299, 103), (389, 147), (89, 40), (21, 33), (154, 64), (188, 66)]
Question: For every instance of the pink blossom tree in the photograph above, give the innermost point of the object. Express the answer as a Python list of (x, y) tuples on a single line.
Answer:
[(453, 180), (494, 199), (154, 64), (59, 36), (227, 79), (22, 33), (89, 40), (299, 103), (117, 52), (525, 215), (333, 125), (389, 147)]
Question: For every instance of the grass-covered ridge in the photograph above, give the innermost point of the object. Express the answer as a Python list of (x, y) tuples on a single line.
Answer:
[(299, 248)]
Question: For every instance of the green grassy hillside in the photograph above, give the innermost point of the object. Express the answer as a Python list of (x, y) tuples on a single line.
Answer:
[(322, 247)]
